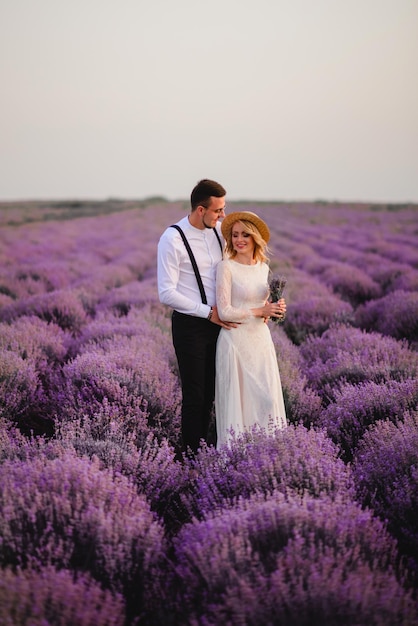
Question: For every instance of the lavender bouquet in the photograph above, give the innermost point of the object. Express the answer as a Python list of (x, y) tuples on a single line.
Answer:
[(277, 285)]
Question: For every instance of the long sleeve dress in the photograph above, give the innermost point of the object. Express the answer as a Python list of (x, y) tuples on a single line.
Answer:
[(248, 389)]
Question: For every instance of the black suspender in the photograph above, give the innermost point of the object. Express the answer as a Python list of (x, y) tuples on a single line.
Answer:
[(219, 240), (193, 260)]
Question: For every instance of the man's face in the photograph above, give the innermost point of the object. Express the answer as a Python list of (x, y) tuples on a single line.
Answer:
[(215, 210)]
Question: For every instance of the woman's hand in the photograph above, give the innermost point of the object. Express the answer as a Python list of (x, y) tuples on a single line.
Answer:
[(271, 309), (282, 306)]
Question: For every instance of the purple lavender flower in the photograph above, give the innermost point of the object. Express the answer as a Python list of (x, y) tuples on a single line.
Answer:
[(277, 285), (60, 307), (84, 339), (35, 340), (345, 354), (303, 404), (395, 314), (68, 513), (312, 314), (294, 458), (356, 407), (21, 393), (37, 597), (128, 373), (385, 471), (312, 561)]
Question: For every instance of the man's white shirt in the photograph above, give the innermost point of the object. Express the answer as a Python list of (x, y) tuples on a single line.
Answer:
[(177, 284)]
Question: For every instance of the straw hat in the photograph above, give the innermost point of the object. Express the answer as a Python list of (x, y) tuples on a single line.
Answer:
[(237, 216)]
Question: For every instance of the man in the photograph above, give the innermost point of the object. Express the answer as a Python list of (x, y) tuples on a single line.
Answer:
[(195, 320)]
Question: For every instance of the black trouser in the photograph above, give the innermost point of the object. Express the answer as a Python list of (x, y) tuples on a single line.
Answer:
[(194, 340)]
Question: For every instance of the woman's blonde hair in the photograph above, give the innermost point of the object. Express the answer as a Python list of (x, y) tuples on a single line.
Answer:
[(260, 247)]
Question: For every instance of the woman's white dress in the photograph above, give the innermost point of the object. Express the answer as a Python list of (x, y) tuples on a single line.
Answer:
[(248, 387)]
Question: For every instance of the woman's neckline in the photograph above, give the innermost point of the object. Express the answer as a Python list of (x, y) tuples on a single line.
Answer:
[(252, 264)]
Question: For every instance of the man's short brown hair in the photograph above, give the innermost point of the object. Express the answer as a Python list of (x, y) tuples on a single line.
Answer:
[(203, 191)]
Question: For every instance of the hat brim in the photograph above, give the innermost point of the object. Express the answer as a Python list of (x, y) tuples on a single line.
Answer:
[(248, 216)]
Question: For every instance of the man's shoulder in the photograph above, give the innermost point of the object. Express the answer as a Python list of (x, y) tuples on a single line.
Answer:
[(171, 233)]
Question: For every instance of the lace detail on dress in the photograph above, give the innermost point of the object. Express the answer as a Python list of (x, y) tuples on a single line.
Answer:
[(234, 299), (248, 386)]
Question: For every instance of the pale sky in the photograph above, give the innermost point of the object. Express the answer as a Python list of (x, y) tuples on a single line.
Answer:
[(275, 99)]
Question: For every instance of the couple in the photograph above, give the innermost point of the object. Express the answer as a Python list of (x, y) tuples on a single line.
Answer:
[(215, 278)]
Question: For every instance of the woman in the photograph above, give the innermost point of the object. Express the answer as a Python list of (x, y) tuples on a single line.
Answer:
[(248, 388)]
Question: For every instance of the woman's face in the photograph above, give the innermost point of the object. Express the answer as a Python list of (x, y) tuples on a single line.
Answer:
[(242, 242)]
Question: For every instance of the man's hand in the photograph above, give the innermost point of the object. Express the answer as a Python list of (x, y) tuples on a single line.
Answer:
[(215, 319)]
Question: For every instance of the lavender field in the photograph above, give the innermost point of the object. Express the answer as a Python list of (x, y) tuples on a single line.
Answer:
[(101, 522)]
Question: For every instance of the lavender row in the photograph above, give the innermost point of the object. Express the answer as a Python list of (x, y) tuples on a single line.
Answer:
[(275, 515), (102, 499)]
